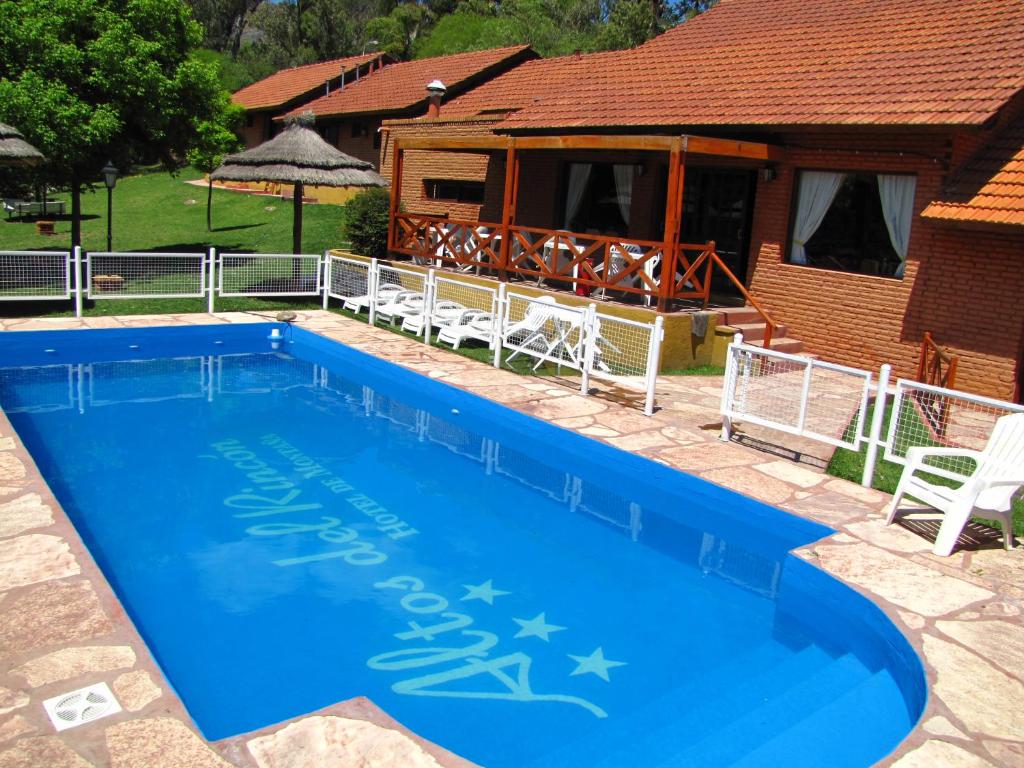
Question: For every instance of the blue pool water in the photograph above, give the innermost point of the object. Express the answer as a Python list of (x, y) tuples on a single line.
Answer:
[(292, 528)]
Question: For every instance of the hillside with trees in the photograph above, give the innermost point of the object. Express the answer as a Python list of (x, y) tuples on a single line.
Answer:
[(253, 38)]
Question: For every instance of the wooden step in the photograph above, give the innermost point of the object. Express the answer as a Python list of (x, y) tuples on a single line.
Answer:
[(755, 331)]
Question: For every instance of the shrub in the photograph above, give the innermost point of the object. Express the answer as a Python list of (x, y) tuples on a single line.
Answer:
[(366, 222)]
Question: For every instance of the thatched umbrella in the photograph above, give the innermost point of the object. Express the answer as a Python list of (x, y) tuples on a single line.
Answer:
[(14, 150), (298, 156)]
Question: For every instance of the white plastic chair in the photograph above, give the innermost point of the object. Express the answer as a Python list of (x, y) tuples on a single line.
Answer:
[(987, 492)]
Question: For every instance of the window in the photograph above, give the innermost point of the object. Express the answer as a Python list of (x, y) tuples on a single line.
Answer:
[(598, 197), (854, 222), (360, 129), (457, 190)]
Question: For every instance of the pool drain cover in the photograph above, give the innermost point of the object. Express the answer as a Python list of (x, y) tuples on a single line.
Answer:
[(81, 706)]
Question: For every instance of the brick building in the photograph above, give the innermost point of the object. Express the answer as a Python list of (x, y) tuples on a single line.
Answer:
[(282, 91), (859, 167), (350, 117)]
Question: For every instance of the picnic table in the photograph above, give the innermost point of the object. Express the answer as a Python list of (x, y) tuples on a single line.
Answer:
[(20, 208)]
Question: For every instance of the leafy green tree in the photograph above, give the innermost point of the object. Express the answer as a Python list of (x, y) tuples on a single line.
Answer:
[(630, 23), (366, 219), (215, 138), (87, 81), (396, 33)]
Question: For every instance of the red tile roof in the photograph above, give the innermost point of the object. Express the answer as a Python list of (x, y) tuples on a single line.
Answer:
[(287, 85), (800, 62), (990, 187), (399, 88), (520, 87)]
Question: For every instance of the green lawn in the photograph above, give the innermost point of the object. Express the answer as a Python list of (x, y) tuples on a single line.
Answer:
[(154, 211), (850, 465)]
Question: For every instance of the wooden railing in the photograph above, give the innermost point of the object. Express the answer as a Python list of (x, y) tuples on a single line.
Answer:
[(936, 366), (584, 263)]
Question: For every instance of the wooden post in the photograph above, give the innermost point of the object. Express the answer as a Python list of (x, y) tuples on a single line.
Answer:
[(397, 159), (297, 229), (508, 209), (673, 211)]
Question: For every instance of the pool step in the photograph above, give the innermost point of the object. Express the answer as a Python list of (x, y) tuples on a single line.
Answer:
[(668, 721), (735, 740), (804, 744)]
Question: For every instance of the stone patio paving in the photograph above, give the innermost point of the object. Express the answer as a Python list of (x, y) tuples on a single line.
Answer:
[(62, 628)]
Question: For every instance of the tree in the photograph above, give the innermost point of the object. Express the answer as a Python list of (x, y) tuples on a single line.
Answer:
[(397, 32), (89, 81), (366, 218), (215, 138), (630, 23)]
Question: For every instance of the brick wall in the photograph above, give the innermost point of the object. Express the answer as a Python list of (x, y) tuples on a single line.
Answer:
[(361, 147), (465, 166), (962, 285), (256, 133)]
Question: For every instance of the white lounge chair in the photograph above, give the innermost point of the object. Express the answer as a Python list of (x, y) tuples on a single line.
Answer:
[(987, 492), (385, 293), (473, 324), (403, 304), (443, 313)]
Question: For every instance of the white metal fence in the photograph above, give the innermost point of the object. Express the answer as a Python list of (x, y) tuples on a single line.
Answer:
[(35, 275), (796, 394), (145, 275), (458, 309), (269, 274), (829, 403)]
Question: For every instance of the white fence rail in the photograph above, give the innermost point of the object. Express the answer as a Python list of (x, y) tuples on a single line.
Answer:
[(829, 403), (796, 394), (269, 274), (145, 275), (35, 275)]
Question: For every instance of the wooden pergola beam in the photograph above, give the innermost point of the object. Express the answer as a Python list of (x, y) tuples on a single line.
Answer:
[(701, 145)]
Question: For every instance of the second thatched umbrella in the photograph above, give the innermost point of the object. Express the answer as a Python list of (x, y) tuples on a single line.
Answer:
[(14, 150), (298, 156)]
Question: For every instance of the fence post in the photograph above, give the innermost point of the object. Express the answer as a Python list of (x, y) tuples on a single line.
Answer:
[(729, 385), (877, 417), (326, 288), (371, 289), (428, 304), (211, 256), (79, 288), (498, 324), (653, 363), (588, 340)]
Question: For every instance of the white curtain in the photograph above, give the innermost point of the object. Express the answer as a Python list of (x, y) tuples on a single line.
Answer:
[(624, 189), (817, 191), (579, 173), (897, 193)]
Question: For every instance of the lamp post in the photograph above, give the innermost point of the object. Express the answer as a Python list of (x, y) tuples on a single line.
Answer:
[(110, 179), (370, 44)]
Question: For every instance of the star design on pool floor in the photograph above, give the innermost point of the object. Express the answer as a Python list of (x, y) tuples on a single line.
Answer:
[(596, 663), (485, 592), (536, 627)]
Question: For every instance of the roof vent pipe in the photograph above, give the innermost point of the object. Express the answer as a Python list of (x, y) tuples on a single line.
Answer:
[(435, 92)]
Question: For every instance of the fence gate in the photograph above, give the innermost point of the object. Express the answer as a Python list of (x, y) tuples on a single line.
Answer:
[(269, 274), (35, 275), (795, 394), (145, 275), (935, 417)]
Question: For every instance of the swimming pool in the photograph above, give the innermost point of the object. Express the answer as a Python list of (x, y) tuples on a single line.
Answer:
[(294, 527)]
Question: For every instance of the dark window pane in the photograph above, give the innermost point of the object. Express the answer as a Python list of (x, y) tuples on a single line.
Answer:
[(853, 236)]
